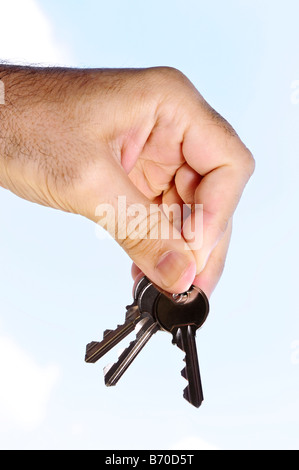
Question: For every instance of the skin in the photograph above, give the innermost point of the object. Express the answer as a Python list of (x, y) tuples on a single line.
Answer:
[(73, 139)]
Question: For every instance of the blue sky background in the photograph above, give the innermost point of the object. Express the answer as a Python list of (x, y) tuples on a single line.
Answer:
[(57, 279)]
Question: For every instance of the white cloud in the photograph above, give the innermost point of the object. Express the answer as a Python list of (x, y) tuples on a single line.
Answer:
[(26, 35), (193, 443), (25, 388)]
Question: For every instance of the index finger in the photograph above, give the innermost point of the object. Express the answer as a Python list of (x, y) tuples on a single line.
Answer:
[(213, 149)]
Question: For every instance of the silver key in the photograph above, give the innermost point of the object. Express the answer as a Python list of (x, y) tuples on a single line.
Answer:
[(145, 329), (145, 294), (95, 350)]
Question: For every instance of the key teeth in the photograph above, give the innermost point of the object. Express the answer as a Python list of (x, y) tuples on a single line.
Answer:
[(120, 352), (107, 368), (184, 373), (193, 392), (186, 394), (130, 310), (90, 345), (125, 350), (145, 328), (106, 333), (109, 380)]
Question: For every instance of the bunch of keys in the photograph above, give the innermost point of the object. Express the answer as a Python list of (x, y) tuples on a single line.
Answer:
[(153, 310)]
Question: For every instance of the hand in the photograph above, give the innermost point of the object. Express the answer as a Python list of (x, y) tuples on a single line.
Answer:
[(77, 139)]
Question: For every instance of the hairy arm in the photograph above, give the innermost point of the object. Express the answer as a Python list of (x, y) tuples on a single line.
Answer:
[(42, 135), (73, 139)]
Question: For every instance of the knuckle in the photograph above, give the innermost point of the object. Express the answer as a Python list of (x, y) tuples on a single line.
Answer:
[(247, 162), (171, 76), (250, 163), (171, 72)]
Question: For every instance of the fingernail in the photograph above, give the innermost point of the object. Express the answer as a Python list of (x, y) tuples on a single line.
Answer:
[(173, 267)]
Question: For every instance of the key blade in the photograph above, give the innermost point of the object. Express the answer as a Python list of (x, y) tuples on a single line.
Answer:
[(145, 328), (184, 338), (96, 350)]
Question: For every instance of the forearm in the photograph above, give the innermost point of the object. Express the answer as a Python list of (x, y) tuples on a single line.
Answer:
[(43, 129), (30, 119), (55, 120)]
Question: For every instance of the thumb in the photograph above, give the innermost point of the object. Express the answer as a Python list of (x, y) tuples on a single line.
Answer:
[(147, 236)]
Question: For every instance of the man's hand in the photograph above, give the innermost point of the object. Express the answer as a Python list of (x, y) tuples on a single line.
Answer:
[(77, 139)]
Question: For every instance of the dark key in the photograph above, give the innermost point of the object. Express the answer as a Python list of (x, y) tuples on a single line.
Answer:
[(182, 315), (145, 295), (146, 327), (95, 350), (151, 311)]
